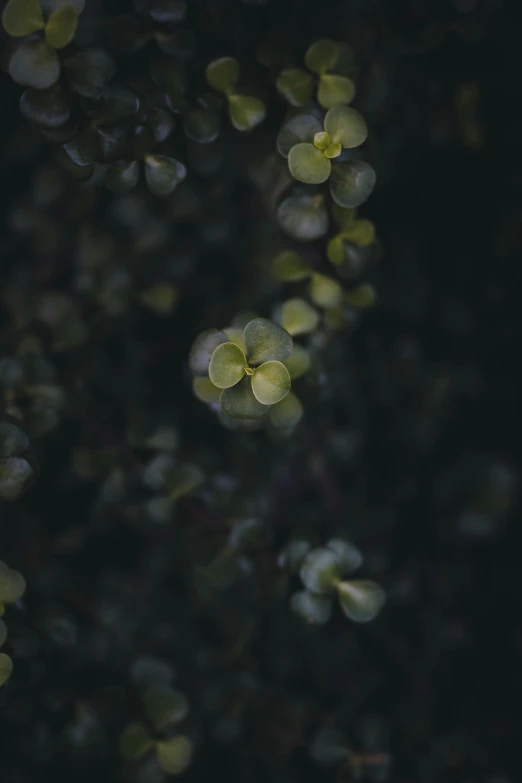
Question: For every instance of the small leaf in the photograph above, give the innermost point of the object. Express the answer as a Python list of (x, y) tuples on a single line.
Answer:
[(47, 108), (205, 391), (174, 754), (13, 441), (325, 292), (296, 86), (239, 402), (245, 112), (15, 472), (201, 126), (223, 74), (117, 103), (322, 56), (236, 335), (361, 599), (122, 175), (298, 317), (335, 90), (22, 17), (295, 551), (308, 164), (321, 570), (12, 584), (350, 557), (301, 128), (61, 26), (352, 183), (227, 365), (266, 341), (360, 232), (362, 297), (134, 742), (89, 72), (271, 382), (6, 668), (165, 706), (287, 413), (313, 609), (298, 362), (346, 126), (34, 65), (163, 174), (289, 266), (83, 149), (203, 348), (303, 217)]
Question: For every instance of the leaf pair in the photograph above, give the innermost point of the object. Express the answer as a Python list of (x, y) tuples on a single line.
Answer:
[(162, 174), (23, 17), (245, 111)]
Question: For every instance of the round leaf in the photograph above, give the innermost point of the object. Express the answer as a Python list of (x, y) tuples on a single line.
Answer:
[(289, 266), (245, 112), (12, 584), (350, 557), (47, 108), (308, 164), (223, 74), (287, 413), (295, 551), (335, 90), (201, 126), (163, 174), (313, 609), (203, 348), (6, 668), (165, 706), (322, 56), (303, 217), (122, 175), (22, 17), (298, 317), (61, 26), (301, 128), (347, 126), (266, 341), (205, 391), (321, 570), (134, 742), (34, 65), (239, 402), (83, 148), (271, 383), (174, 754), (296, 86), (361, 297), (227, 365), (89, 72), (236, 335), (361, 599), (360, 232), (325, 292), (298, 362), (352, 183)]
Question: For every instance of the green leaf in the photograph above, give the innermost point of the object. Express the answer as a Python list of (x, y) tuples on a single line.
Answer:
[(236, 335), (308, 164), (12, 584), (174, 754), (205, 391), (313, 609), (346, 126), (361, 297), (266, 341), (122, 175), (296, 86), (34, 65), (321, 570), (245, 112), (298, 317), (289, 266), (361, 599), (134, 742), (227, 365), (295, 551), (165, 706), (203, 348), (322, 56), (350, 557), (6, 668), (239, 402), (360, 232), (3, 632), (83, 149), (223, 74), (163, 174), (15, 472), (271, 382), (298, 362), (303, 217), (13, 441), (47, 108), (201, 126), (352, 183), (287, 413), (89, 72), (301, 128), (335, 90), (61, 26), (22, 17), (325, 292)]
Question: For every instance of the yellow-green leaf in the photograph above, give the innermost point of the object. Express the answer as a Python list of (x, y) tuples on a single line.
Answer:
[(134, 742), (227, 365), (61, 26), (174, 754), (308, 164), (298, 317), (361, 599), (298, 362), (289, 266), (346, 126), (271, 382), (322, 55), (223, 74), (6, 668), (325, 292), (22, 17), (335, 90), (245, 112), (266, 341), (287, 413)]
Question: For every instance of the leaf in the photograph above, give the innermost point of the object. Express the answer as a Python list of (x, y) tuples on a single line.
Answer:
[(352, 183), (203, 348), (13, 441), (321, 570), (335, 90), (301, 128), (12, 584), (83, 149), (271, 382), (361, 297), (22, 17), (347, 126), (313, 609), (295, 551), (134, 742), (165, 706), (350, 557), (360, 232), (298, 317), (89, 72), (6, 668), (223, 74), (47, 108), (289, 266), (201, 126), (122, 175), (34, 65), (239, 402), (117, 103), (174, 754), (161, 298), (61, 26), (361, 599), (15, 472), (322, 56), (308, 164), (296, 86), (163, 174), (245, 112), (303, 217), (236, 335), (325, 292), (227, 365), (266, 341), (287, 413), (298, 362)]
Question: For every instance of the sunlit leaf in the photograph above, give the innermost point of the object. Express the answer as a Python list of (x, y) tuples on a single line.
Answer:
[(61, 26), (245, 112), (303, 217), (296, 86), (34, 64), (346, 126), (322, 56), (203, 348), (271, 382), (298, 317), (360, 232), (308, 164), (134, 742), (352, 183), (301, 128), (335, 90), (287, 413), (227, 365), (163, 174), (239, 401), (266, 341), (361, 599), (325, 292), (223, 74), (22, 17), (174, 754)]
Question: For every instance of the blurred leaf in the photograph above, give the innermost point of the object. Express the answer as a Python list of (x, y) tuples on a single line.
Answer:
[(361, 297), (360, 232), (61, 26), (22, 17), (13, 441), (271, 382), (325, 292), (239, 401), (48, 108), (296, 86), (245, 112), (303, 217), (322, 56), (350, 557), (12, 584), (6, 668), (308, 164), (168, 11), (117, 103), (321, 570), (161, 298), (174, 754), (313, 609), (265, 341), (203, 348), (201, 126), (227, 365), (223, 74), (352, 183), (15, 472), (361, 599), (122, 175), (287, 413), (290, 266), (346, 126), (134, 742), (165, 706), (3, 631), (89, 72), (163, 174), (298, 317), (335, 90), (34, 65), (301, 128), (295, 551), (83, 149), (328, 747), (298, 362), (236, 335)]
